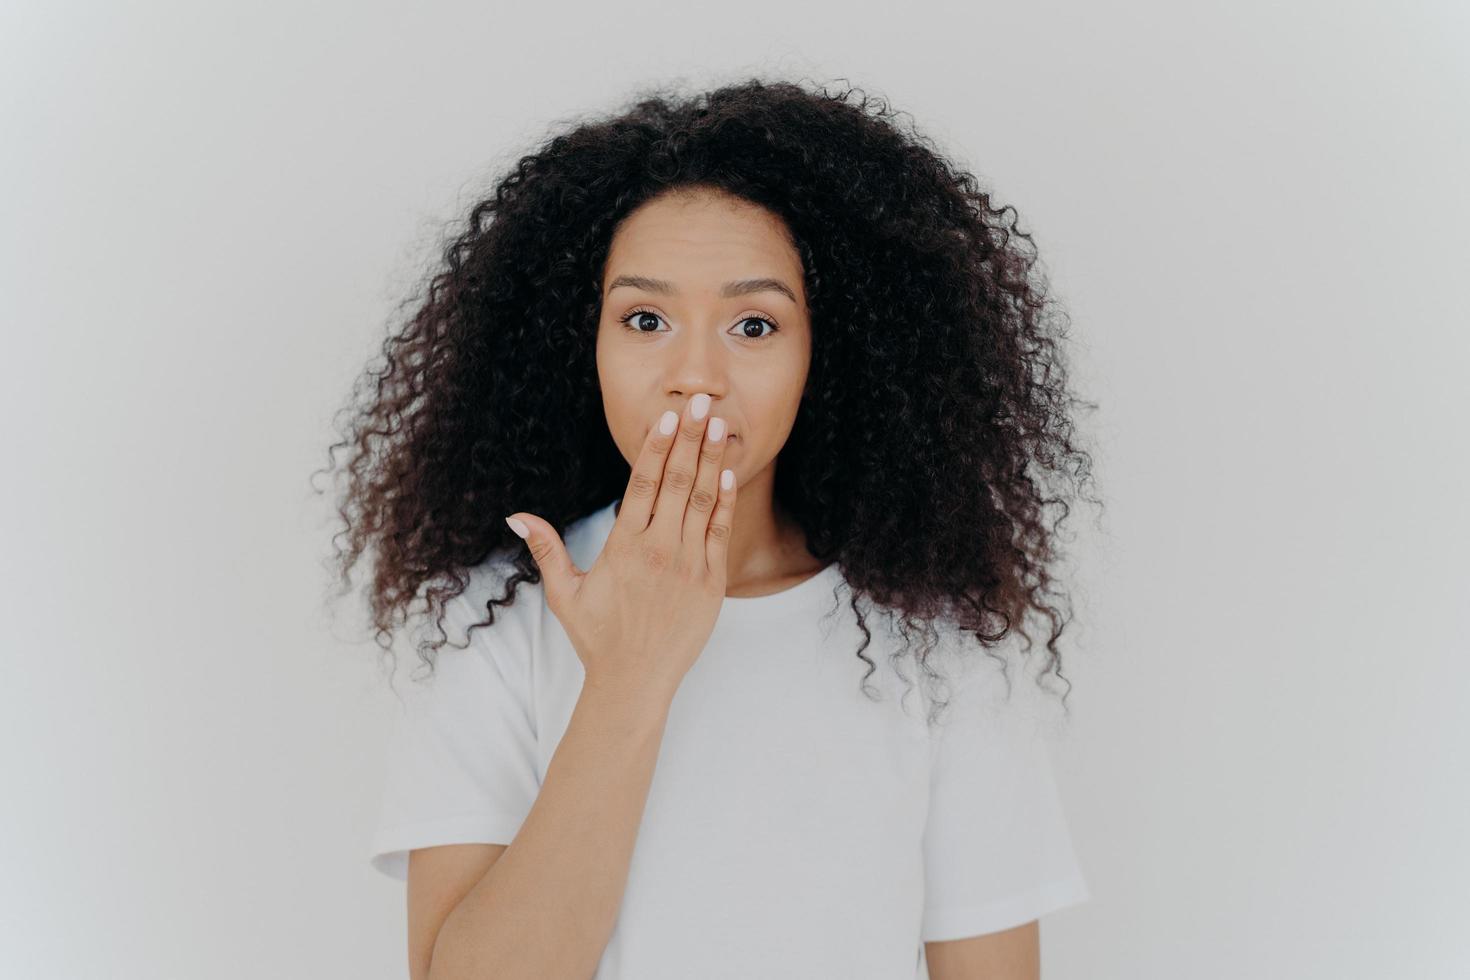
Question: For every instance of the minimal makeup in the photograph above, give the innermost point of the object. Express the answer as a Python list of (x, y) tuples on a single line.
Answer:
[(702, 292)]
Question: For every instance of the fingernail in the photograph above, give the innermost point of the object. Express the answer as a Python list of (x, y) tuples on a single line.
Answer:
[(727, 479), (699, 408), (668, 422), (716, 429), (518, 527)]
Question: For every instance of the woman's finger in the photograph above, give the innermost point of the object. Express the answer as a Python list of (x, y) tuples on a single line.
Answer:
[(705, 493), (679, 471), (717, 540), (647, 476)]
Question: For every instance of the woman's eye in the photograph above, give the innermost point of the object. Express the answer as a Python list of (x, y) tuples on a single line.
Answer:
[(637, 320), (744, 327), (640, 318)]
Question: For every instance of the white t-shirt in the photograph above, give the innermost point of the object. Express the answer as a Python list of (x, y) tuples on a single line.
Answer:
[(794, 827)]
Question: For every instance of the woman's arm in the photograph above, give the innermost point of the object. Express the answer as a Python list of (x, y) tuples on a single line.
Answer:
[(546, 907), (1011, 954)]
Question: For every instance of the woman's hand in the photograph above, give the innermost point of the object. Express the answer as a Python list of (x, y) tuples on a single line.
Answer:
[(641, 615)]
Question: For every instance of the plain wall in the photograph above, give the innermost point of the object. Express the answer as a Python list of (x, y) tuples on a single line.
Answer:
[(1256, 215)]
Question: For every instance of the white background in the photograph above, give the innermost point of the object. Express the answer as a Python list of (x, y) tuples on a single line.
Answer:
[(1256, 212)]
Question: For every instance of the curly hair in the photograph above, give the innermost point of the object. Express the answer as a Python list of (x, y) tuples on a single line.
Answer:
[(936, 404)]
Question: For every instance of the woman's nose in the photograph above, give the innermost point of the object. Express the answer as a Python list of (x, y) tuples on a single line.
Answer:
[(697, 366)]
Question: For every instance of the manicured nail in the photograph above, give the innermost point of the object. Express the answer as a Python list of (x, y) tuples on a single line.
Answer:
[(699, 408), (727, 479), (518, 527), (716, 429), (668, 422)]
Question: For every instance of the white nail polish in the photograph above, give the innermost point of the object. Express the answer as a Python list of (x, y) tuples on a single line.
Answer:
[(699, 408)]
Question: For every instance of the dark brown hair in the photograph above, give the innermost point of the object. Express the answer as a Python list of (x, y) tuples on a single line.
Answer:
[(936, 404)]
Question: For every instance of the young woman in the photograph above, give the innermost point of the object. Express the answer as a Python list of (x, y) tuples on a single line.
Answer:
[(693, 375)]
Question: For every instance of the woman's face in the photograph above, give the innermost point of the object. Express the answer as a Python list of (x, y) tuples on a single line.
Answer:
[(685, 263)]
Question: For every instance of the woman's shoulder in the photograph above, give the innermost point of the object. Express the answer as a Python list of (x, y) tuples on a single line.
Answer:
[(490, 578)]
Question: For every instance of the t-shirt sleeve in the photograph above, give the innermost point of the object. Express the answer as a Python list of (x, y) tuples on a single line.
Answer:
[(461, 764), (997, 849)]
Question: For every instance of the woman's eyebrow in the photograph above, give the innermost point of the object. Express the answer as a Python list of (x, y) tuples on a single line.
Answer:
[(739, 287)]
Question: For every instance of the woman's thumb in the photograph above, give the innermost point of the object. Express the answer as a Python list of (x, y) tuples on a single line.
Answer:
[(546, 547)]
